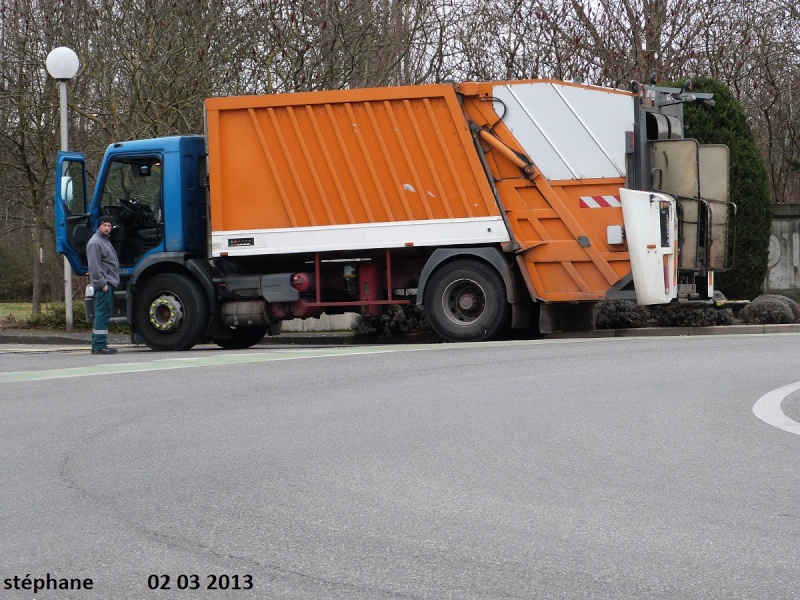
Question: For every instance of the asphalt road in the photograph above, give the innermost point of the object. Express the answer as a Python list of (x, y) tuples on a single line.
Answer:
[(603, 468)]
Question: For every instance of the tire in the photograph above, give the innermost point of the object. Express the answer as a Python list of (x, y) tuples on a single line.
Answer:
[(240, 338), (171, 312), (466, 301)]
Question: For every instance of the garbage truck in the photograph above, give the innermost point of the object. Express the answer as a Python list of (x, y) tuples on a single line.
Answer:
[(492, 205)]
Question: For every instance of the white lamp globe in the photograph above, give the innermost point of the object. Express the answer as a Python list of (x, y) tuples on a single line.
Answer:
[(62, 63)]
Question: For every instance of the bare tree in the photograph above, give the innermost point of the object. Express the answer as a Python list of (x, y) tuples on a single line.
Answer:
[(302, 45), (147, 66), (768, 84), (28, 31)]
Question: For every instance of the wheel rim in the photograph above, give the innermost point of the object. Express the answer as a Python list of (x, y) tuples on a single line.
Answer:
[(464, 302), (166, 313)]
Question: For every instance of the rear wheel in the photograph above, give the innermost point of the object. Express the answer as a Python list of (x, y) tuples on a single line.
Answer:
[(240, 338), (171, 312), (466, 301)]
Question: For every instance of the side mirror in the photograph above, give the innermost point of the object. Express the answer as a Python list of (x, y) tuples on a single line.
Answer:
[(66, 190)]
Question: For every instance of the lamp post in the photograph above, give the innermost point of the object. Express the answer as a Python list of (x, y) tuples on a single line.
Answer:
[(62, 64)]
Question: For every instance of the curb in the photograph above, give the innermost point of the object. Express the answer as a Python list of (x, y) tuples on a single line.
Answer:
[(49, 337), (679, 331)]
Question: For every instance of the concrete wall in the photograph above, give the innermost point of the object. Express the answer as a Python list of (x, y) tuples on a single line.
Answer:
[(784, 248), (324, 323)]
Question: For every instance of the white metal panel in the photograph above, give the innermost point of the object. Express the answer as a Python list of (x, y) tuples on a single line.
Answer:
[(653, 262), (439, 232), (570, 132)]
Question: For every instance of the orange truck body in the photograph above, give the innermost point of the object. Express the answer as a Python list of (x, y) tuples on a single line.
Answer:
[(336, 164)]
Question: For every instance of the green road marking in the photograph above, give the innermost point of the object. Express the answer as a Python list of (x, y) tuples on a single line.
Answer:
[(193, 362), (217, 360)]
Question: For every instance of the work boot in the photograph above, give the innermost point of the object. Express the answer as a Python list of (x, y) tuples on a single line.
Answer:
[(105, 350)]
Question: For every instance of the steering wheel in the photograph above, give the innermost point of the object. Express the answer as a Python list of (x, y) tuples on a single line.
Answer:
[(132, 206)]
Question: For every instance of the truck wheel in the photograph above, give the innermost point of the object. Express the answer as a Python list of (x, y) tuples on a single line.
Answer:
[(240, 338), (171, 312), (466, 302)]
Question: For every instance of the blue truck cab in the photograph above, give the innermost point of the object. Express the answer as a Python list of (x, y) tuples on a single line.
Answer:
[(156, 192)]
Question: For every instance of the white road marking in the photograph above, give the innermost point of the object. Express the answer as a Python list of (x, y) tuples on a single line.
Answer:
[(768, 409)]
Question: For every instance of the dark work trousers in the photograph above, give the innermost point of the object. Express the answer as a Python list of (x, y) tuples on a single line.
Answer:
[(102, 315)]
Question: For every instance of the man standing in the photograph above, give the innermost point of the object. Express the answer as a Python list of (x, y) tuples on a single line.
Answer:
[(104, 273)]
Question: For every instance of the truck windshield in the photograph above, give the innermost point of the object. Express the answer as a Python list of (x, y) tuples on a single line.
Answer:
[(137, 182), (132, 195)]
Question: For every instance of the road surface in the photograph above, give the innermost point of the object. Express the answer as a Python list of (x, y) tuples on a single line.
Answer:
[(604, 468)]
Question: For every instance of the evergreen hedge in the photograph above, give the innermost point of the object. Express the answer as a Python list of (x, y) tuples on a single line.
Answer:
[(725, 123)]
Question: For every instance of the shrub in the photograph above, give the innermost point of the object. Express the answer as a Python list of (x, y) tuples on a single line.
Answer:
[(691, 316), (770, 309), (54, 316), (10, 322), (792, 304), (397, 320), (621, 314)]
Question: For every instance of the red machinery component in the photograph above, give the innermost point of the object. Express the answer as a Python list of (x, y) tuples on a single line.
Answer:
[(304, 282), (302, 308), (369, 287)]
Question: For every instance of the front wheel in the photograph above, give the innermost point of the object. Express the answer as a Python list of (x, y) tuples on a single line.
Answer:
[(466, 301), (171, 312)]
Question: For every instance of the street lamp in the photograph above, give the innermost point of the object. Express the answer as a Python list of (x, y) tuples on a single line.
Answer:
[(62, 64)]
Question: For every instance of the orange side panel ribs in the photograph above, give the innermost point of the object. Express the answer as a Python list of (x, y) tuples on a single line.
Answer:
[(343, 157)]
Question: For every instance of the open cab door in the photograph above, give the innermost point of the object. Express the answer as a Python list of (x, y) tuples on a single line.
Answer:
[(73, 220)]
